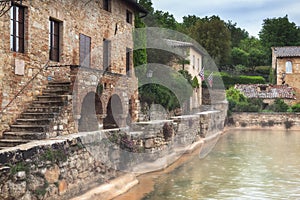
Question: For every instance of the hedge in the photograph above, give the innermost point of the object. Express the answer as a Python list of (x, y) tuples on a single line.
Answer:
[(231, 80)]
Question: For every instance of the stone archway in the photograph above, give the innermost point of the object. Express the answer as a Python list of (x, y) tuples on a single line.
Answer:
[(90, 109), (114, 113)]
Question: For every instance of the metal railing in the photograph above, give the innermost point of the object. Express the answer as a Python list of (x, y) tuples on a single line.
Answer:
[(45, 67)]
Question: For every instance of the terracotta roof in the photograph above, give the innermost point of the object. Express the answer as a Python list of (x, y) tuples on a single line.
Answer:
[(267, 91), (290, 51), (137, 6)]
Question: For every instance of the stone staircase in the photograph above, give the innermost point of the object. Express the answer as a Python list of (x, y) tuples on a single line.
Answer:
[(37, 120)]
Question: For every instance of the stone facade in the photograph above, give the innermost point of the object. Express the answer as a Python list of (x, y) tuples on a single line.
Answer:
[(75, 18), (195, 58), (286, 63)]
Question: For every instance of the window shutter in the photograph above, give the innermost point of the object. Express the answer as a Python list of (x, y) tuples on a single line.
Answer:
[(84, 50), (106, 54)]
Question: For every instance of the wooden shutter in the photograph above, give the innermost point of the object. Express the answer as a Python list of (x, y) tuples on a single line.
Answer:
[(85, 50), (106, 54)]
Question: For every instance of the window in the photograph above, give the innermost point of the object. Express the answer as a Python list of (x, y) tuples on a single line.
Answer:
[(288, 67), (107, 5), (194, 61), (84, 50), (128, 17), (106, 54), (198, 64), (128, 60), (54, 40), (17, 28)]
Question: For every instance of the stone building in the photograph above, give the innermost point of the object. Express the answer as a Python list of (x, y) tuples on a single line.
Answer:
[(286, 64), (85, 43), (194, 58)]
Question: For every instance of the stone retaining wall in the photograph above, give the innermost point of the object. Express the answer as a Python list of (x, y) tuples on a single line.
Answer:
[(266, 120), (69, 165)]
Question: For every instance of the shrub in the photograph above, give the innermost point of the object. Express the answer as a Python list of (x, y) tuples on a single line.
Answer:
[(224, 79), (195, 83), (263, 70), (239, 103), (278, 106), (296, 107)]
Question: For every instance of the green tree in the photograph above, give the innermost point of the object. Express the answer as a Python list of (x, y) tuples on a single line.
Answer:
[(278, 32), (214, 36), (187, 24), (165, 20), (147, 4), (255, 53), (256, 58), (237, 34), (250, 43), (239, 56)]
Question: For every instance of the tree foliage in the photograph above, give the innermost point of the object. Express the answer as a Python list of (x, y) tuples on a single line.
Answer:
[(238, 102), (239, 56), (278, 106), (278, 32), (213, 35), (237, 34)]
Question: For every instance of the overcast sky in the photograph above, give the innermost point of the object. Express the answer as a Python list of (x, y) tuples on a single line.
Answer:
[(248, 14)]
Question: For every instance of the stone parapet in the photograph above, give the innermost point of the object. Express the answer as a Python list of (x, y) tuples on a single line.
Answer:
[(266, 120), (68, 165)]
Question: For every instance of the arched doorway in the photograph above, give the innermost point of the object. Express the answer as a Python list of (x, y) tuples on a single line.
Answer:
[(91, 107), (114, 117)]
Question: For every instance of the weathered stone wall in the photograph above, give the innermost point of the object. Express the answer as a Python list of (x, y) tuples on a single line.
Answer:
[(266, 120), (86, 80), (77, 17), (70, 165), (212, 96), (53, 169)]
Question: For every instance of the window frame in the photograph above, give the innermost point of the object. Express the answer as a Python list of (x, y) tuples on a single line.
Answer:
[(128, 60), (54, 44), (289, 67), (107, 5), (106, 54), (85, 43), (17, 28), (129, 16), (194, 61)]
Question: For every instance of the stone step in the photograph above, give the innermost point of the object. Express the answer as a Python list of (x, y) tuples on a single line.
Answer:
[(38, 121), (25, 135), (58, 86), (51, 98), (11, 142), (59, 83), (56, 92), (44, 109), (28, 128), (37, 115), (48, 103)]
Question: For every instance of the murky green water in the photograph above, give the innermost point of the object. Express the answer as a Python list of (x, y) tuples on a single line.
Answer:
[(243, 165)]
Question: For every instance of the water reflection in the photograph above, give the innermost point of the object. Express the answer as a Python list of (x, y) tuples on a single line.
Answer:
[(243, 165)]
